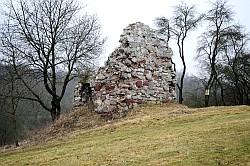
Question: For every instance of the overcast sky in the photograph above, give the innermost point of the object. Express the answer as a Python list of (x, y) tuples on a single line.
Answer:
[(115, 15)]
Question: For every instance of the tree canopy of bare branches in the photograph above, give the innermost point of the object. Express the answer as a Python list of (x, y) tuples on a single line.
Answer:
[(221, 46), (185, 19), (43, 39)]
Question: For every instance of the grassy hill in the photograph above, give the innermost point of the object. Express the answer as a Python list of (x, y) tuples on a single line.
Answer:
[(150, 135)]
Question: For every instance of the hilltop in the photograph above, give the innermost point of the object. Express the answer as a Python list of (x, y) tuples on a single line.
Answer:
[(167, 134)]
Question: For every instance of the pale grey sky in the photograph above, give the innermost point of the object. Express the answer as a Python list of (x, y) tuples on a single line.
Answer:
[(115, 15)]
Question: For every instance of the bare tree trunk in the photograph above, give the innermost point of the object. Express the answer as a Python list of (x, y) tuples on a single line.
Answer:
[(206, 99), (208, 89), (215, 95), (14, 104), (55, 109), (15, 130), (53, 115), (181, 53), (221, 92), (58, 109), (181, 82), (239, 93)]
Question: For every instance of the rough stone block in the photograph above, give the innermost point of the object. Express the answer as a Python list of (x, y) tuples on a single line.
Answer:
[(139, 84), (146, 83), (97, 87), (128, 101)]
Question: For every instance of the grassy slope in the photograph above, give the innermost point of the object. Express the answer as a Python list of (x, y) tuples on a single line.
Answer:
[(151, 135)]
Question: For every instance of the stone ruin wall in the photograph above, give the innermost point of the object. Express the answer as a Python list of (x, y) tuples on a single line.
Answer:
[(138, 71)]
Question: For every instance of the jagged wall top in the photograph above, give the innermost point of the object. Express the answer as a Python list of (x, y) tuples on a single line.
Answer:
[(139, 39)]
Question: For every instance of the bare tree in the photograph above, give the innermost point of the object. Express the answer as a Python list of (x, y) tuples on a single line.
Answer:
[(163, 26), (185, 19), (235, 43), (42, 40), (210, 45), (11, 90)]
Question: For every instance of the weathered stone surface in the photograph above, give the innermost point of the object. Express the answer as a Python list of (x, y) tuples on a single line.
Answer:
[(82, 94), (138, 71)]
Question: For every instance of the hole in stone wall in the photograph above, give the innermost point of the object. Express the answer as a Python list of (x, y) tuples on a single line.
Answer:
[(126, 44)]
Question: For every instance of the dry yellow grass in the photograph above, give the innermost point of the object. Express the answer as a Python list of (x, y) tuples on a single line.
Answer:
[(151, 135)]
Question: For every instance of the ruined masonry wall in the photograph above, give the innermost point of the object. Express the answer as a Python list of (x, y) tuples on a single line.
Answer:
[(138, 71)]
